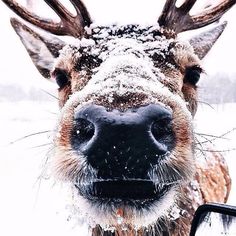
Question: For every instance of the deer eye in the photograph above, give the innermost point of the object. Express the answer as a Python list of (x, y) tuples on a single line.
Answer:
[(192, 74), (61, 77)]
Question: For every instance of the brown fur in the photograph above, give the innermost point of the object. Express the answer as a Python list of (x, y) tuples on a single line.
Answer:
[(124, 86), (203, 189)]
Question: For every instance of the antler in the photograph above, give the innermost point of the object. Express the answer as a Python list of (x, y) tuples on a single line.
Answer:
[(68, 25), (178, 19)]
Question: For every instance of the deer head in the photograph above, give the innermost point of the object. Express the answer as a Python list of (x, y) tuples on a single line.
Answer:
[(124, 141)]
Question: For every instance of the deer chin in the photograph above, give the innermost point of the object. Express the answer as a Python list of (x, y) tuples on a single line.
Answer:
[(127, 202), (123, 203), (114, 202)]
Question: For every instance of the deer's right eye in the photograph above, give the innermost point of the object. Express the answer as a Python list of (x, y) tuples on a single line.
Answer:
[(61, 77), (192, 74)]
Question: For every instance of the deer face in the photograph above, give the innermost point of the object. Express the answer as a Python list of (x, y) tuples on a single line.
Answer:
[(124, 141), (125, 136)]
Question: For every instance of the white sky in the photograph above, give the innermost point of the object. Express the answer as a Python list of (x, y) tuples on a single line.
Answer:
[(16, 67)]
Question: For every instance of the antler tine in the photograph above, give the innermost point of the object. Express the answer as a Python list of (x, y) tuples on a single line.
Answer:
[(187, 5), (45, 24), (58, 8), (166, 12), (82, 10), (179, 20), (73, 26), (69, 24), (212, 15)]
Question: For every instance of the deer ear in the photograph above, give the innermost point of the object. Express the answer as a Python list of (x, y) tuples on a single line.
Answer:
[(203, 42), (42, 49)]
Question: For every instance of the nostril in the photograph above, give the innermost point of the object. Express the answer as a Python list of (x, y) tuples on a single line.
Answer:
[(160, 128), (162, 131), (84, 130)]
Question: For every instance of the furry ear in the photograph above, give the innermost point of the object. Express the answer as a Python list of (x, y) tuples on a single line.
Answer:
[(42, 49), (203, 42)]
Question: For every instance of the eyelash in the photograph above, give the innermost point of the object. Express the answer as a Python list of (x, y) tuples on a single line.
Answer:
[(61, 77), (192, 74)]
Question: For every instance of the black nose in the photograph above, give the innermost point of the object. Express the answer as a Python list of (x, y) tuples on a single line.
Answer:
[(123, 144)]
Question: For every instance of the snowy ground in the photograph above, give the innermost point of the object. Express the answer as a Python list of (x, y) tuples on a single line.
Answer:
[(30, 208)]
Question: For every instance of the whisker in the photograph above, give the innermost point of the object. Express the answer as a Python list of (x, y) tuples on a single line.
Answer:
[(29, 135), (38, 183), (200, 143), (42, 145), (206, 103), (39, 179), (53, 113), (221, 151), (201, 148), (214, 137), (207, 140), (51, 95), (211, 135)]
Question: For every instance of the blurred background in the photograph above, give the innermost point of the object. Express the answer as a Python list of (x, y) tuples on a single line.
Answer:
[(29, 205)]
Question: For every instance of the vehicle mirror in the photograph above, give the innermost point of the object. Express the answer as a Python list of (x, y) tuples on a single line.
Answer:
[(214, 219)]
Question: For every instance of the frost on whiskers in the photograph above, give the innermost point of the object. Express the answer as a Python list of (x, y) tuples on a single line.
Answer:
[(79, 212)]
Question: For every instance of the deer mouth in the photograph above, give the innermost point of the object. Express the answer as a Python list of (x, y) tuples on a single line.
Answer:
[(125, 192)]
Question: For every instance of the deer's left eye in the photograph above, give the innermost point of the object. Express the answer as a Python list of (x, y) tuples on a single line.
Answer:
[(192, 74), (61, 77)]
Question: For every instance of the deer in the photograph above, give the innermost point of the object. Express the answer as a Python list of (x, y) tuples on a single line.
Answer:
[(124, 143)]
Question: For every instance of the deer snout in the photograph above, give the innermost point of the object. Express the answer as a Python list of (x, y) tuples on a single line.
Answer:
[(123, 144)]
